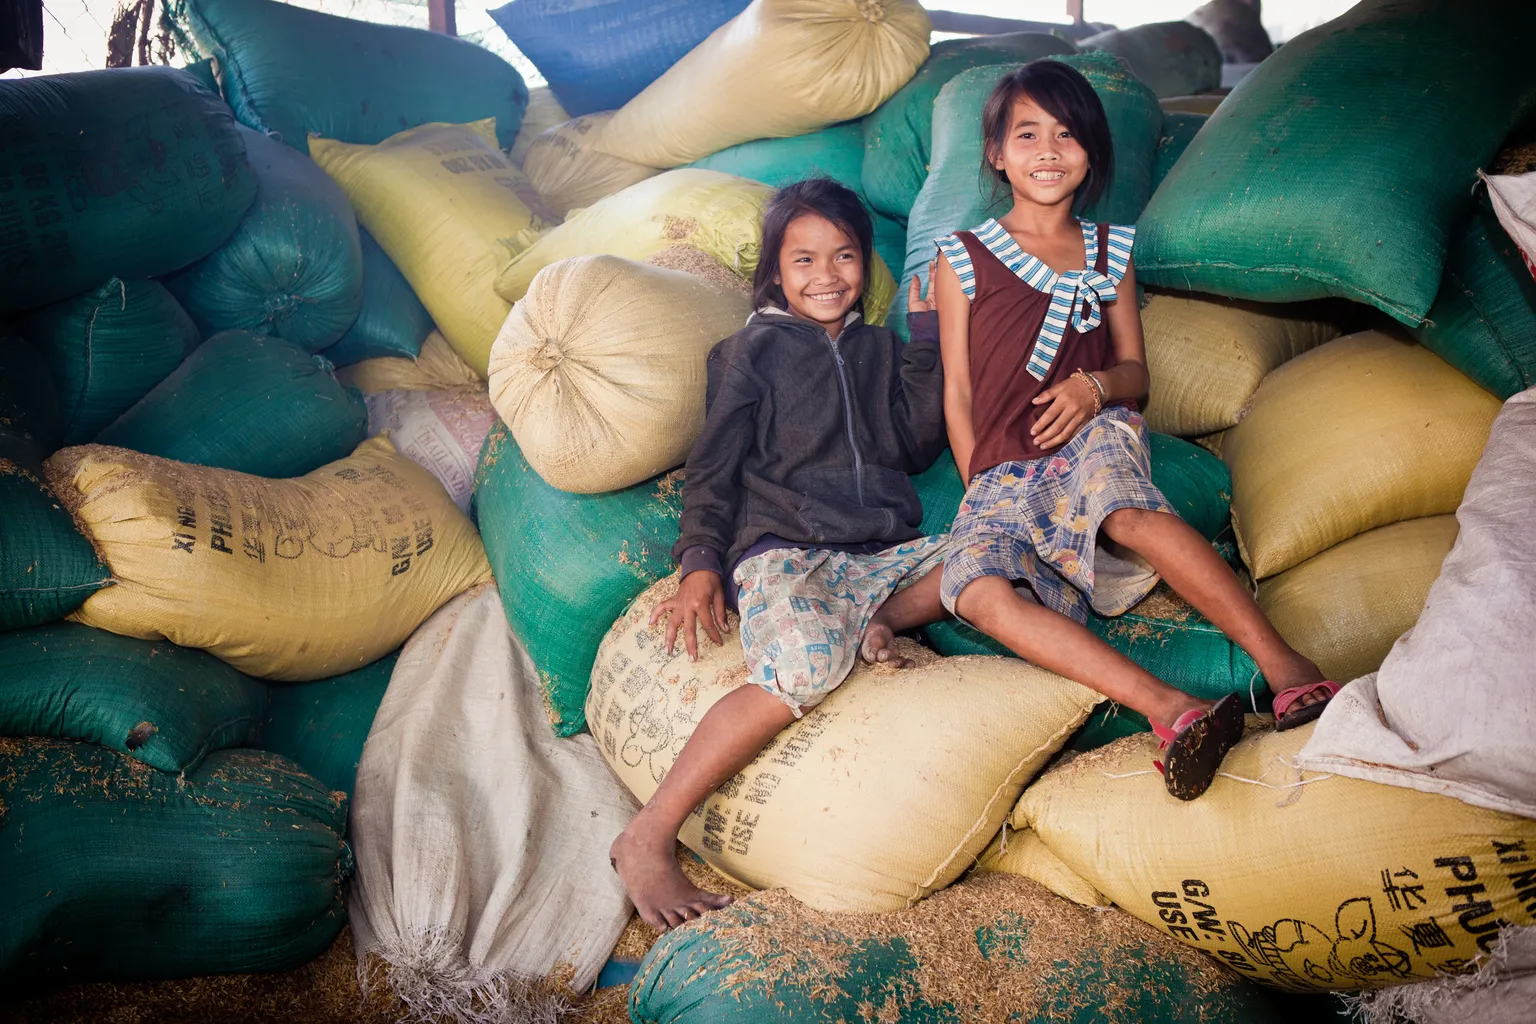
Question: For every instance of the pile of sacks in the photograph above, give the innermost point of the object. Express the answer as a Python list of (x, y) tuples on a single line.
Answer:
[(519, 291)]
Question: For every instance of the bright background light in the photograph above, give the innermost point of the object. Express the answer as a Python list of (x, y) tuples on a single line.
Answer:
[(75, 31)]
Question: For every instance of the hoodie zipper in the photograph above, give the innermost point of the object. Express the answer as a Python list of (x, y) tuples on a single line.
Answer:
[(842, 382)]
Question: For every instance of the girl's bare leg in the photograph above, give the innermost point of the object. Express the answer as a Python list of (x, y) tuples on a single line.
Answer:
[(1197, 574), (1055, 642), (906, 609), (731, 734)]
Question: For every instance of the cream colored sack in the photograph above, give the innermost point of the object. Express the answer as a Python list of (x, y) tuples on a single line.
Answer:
[(450, 210), (569, 173), (543, 113), (1346, 607), (717, 213), (1207, 356), (883, 793), (436, 367), (284, 579), (1020, 852), (600, 370), (1362, 432), (779, 68), (1297, 879)]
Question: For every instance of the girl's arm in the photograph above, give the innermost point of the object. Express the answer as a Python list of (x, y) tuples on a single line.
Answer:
[(1072, 400), (1128, 378), (955, 349), (918, 401), (711, 491)]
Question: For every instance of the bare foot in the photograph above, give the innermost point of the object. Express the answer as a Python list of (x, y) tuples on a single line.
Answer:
[(661, 893), (879, 647)]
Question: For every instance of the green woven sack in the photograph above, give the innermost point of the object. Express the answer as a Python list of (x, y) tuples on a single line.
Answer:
[(168, 706), (321, 726), (127, 172), (1172, 58), (898, 135), (1484, 320), (890, 244), (106, 349), (956, 196), (47, 566), (1179, 130), (568, 565), (289, 72), (1195, 482), (247, 402), (293, 268), (116, 871), (995, 947), (1338, 194), (836, 152), (391, 321), (29, 405)]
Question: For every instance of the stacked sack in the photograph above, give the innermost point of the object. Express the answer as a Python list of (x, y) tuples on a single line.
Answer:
[(1348, 454), (217, 491)]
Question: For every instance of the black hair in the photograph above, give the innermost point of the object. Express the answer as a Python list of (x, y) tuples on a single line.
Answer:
[(1066, 95), (820, 196)]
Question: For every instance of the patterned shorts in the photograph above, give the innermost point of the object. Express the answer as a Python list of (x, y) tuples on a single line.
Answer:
[(1036, 523), (804, 612)]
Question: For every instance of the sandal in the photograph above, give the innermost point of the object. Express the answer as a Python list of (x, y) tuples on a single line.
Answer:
[(1196, 744), (1285, 718)]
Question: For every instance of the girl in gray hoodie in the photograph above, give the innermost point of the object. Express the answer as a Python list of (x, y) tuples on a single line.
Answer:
[(798, 509)]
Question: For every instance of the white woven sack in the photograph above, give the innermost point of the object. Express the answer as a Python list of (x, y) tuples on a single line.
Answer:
[(600, 370), (439, 430), (1453, 708), (483, 884)]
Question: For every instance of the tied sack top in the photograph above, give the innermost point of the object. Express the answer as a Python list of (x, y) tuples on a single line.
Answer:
[(1030, 328)]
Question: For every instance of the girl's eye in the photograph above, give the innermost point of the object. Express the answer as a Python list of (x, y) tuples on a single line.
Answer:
[(1066, 135)]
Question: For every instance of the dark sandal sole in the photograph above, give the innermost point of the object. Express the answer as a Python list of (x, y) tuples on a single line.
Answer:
[(1193, 758), (1302, 715)]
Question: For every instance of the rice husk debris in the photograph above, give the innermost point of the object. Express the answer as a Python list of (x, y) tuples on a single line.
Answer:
[(1035, 940)]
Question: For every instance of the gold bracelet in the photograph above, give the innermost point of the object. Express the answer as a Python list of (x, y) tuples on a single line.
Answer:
[(1094, 386)]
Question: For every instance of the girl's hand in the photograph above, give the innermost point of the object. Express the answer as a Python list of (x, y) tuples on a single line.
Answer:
[(1071, 405), (699, 601), (915, 301)]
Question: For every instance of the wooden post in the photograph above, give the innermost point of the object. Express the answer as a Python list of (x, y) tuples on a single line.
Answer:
[(21, 34), (440, 17), (1075, 11)]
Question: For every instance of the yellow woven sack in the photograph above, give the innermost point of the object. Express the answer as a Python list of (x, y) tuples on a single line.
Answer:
[(284, 579), (569, 173), (600, 370), (450, 210), (1346, 607), (436, 366), (1020, 852), (1301, 880), (883, 793), (543, 113), (779, 68), (717, 213), (1207, 356), (1362, 432)]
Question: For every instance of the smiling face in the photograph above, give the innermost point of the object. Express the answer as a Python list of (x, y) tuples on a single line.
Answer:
[(1043, 161), (821, 270)]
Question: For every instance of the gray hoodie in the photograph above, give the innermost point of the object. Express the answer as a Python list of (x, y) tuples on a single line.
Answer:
[(810, 441)]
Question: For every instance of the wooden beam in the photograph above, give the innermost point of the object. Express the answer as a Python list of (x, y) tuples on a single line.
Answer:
[(983, 25), (440, 17)]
